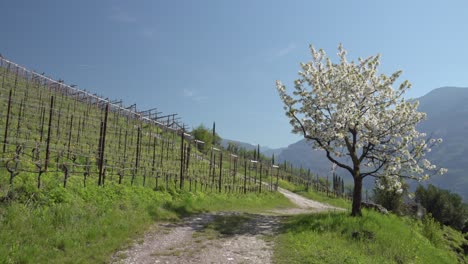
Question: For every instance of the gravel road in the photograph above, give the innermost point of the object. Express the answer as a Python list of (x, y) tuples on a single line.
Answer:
[(224, 237)]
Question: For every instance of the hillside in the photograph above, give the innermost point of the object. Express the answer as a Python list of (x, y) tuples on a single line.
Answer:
[(447, 117), (80, 176)]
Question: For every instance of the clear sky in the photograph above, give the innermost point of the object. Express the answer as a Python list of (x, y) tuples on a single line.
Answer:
[(218, 60)]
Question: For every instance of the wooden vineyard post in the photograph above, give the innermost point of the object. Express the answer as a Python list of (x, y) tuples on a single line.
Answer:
[(69, 137), (5, 137), (220, 171), (122, 172), (86, 172), (256, 173), (245, 176), (182, 160), (187, 163), (64, 168), (99, 151), (277, 178), (234, 174), (270, 173), (18, 126), (137, 157), (42, 123), (153, 164), (51, 112), (211, 166), (260, 181), (102, 147)]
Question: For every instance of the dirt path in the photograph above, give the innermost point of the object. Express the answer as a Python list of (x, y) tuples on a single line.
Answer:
[(225, 237)]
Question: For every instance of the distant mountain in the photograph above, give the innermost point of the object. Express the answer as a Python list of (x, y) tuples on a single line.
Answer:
[(447, 117), (267, 151)]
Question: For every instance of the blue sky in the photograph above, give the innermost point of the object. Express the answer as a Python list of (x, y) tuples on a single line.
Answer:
[(218, 60)]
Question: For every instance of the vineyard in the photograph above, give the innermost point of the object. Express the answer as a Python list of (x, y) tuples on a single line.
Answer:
[(50, 128)]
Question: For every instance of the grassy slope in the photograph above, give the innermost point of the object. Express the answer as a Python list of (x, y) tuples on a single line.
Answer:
[(374, 238), (86, 225)]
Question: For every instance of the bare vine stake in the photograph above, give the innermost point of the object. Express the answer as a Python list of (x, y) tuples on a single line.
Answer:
[(167, 150), (260, 181), (78, 131), (58, 122), (137, 157), (245, 176), (250, 173), (211, 164), (153, 165), (5, 137), (64, 169), (69, 137), (187, 162), (83, 123), (213, 172), (37, 162), (18, 126), (120, 137), (182, 159), (122, 174), (16, 81), (42, 123), (220, 171), (189, 149), (162, 151), (277, 178), (103, 145), (51, 112), (100, 143)]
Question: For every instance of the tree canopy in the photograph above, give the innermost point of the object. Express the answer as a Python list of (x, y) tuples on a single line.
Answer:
[(360, 120), (206, 135)]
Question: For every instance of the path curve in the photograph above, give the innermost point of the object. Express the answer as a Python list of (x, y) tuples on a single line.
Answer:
[(194, 241)]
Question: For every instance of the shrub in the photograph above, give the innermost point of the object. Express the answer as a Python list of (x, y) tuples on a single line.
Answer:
[(445, 207)]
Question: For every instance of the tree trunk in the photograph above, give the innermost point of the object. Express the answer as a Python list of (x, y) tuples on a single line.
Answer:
[(357, 196)]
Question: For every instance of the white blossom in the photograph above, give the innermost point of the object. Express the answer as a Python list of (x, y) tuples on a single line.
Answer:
[(349, 106)]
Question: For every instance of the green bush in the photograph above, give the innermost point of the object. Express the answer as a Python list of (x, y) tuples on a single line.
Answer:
[(445, 207)]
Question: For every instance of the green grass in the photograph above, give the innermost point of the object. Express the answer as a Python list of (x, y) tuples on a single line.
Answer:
[(87, 225), (373, 238)]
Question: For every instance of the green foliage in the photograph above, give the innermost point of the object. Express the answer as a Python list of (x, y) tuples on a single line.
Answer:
[(374, 238), (87, 225), (206, 135), (445, 207), (431, 229), (391, 199)]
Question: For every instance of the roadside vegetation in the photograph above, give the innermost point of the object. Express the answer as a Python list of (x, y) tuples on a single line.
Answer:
[(399, 237), (87, 225), (373, 238)]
